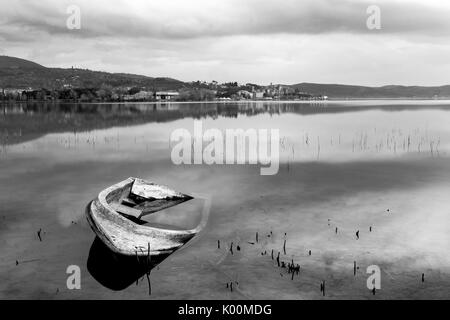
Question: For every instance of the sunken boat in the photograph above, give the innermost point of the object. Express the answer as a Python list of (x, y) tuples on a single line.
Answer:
[(116, 218)]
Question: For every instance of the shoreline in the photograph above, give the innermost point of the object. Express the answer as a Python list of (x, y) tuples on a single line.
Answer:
[(62, 102)]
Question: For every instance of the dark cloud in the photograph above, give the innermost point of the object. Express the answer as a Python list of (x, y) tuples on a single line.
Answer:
[(209, 18), (265, 41)]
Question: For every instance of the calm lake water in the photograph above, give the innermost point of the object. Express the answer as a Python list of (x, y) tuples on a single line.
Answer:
[(359, 165)]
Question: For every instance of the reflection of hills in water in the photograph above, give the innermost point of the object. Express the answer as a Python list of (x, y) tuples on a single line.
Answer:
[(24, 122)]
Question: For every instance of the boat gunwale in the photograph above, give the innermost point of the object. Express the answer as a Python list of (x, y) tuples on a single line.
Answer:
[(104, 193), (99, 204)]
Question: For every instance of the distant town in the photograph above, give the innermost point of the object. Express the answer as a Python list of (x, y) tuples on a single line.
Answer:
[(193, 91), (24, 80)]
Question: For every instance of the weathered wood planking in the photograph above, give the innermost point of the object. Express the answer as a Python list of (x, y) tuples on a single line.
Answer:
[(126, 237), (154, 191)]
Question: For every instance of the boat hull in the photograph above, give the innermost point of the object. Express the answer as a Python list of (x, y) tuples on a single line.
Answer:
[(123, 235)]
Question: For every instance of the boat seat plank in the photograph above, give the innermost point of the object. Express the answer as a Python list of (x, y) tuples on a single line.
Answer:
[(128, 202), (126, 210), (157, 205)]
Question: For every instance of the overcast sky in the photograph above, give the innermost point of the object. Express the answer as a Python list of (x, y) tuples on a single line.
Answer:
[(262, 41)]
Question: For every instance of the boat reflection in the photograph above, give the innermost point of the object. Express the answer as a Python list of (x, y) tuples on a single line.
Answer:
[(117, 272)]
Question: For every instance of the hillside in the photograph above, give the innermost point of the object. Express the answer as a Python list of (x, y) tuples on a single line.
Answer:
[(17, 63), (20, 73), (339, 91)]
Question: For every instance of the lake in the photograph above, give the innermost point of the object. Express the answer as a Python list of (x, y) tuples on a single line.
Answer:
[(378, 167)]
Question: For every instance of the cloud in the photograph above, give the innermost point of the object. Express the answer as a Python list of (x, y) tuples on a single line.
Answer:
[(180, 19), (238, 40)]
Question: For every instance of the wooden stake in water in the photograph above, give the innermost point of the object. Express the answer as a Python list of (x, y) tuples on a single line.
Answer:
[(137, 269), (149, 284), (149, 257), (322, 288), (149, 270)]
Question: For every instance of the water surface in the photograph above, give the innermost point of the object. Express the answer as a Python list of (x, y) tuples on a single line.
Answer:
[(345, 165)]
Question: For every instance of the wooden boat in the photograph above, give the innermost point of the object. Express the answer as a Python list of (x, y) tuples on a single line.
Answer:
[(115, 216)]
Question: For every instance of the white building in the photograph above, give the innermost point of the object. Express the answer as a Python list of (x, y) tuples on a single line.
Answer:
[(166, 95), (258, 94)]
